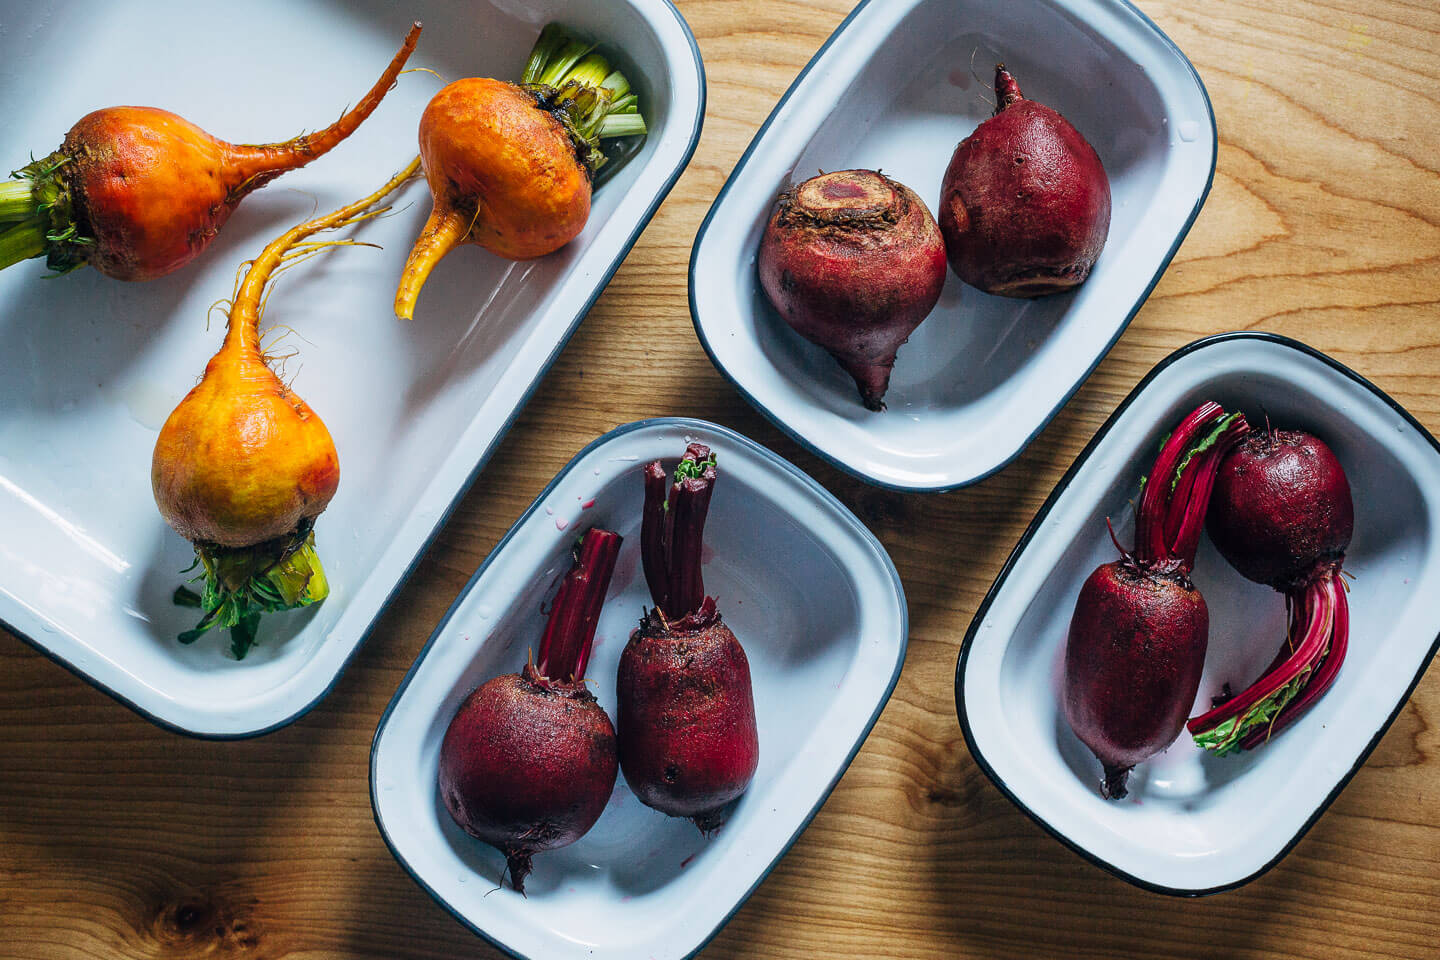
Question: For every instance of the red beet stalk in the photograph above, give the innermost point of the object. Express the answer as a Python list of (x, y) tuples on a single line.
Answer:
[(1253, 716), (530, 759), (688, 739), (570, 631), (1283, 516), (1136, 646)]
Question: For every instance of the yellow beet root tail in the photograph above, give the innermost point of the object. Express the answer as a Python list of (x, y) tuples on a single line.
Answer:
[(253, 165), (246, 307), (445, 229), (244, 579)]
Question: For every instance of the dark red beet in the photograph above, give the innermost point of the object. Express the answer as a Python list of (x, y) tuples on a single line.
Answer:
[(688, 741), (854, 262), (1283, 516), (1281, 504), (530, 759), (1137, 646), (1025, 203), (1137, 640)]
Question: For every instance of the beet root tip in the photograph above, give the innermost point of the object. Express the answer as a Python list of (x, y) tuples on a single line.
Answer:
[(873, 381), (1113, 786), (709, 822), (517, 864)]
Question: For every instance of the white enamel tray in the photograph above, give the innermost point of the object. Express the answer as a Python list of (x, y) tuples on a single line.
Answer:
[(893, 88), (90, 367), (1196, 823), (819, 608)]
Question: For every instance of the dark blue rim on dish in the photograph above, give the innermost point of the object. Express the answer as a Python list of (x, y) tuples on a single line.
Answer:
[(763, 453), (1034, 528), (621, 254), (1060, 404)]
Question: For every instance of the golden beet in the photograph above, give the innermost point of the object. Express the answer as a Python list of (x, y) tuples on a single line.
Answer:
[(138, 192), (510, 166), (243, 466)]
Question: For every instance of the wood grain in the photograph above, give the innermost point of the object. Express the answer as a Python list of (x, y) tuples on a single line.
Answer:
[(120, 841)]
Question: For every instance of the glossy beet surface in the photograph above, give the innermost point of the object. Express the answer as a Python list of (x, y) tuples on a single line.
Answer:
[(688, 740), (529, 760), (1281, 506), (1137, 640), (1025, 202), (148, 190), (527, 766), (853, 261), (1133, 662)]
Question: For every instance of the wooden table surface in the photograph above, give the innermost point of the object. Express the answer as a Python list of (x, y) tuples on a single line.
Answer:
[(118, 840)]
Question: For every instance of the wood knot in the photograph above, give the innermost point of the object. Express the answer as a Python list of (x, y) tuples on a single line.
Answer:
[(201, 925)]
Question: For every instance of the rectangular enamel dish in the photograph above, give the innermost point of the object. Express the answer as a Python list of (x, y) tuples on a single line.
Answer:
[(896, 87), (90, 367), (1197, 823), (811, 595)]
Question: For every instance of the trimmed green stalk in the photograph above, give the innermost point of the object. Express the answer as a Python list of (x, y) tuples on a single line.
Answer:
[(21, 241), (584, 91), (241, 583), (37, 202), (17, 200)]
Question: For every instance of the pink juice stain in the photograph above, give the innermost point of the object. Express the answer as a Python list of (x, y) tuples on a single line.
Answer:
[(561, 523), (588, 504), (686, 862)]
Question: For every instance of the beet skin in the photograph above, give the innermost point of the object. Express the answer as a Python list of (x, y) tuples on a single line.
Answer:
[(527, 766), (689, 745), (1132, 664), (688, 740), (854, 262), (1136, 647), (1025, 203), (529, 760), (1282, 506)]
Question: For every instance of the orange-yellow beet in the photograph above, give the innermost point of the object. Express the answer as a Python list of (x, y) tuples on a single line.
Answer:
[(243, 459), (504, 174), (149, 190)]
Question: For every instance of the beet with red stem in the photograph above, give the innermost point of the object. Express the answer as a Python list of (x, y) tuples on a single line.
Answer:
[(529, 761), (1025, 203), (853, 261), (1283, 516), (688, 741), (1137, 640)]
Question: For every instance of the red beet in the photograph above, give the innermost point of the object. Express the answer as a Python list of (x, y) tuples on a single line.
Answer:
[(1025, 203), (1281, 505), (1283, 516), (1137, 640), (854, 262), (688, 742), (529, 761)]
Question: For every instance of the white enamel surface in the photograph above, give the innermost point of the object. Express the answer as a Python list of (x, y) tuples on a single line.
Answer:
[(90, 367), (1195, 821), (895, 91), (820, 612)]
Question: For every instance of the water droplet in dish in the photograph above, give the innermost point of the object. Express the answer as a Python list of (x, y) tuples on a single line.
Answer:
[(1189, 130)]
